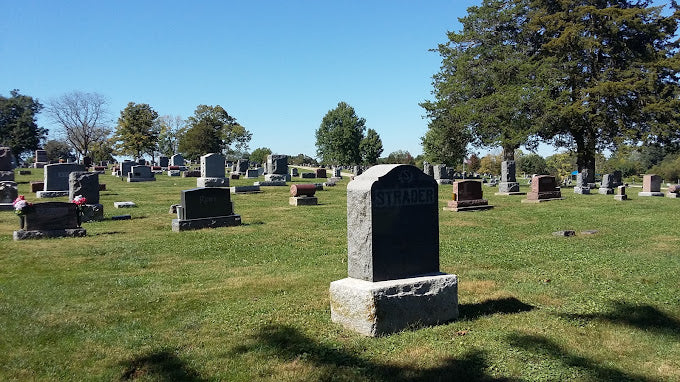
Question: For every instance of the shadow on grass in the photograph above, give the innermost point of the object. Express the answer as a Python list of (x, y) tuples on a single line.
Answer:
[(499, 306), (543, 346), (645, 317), (159, 366), (333, 363)]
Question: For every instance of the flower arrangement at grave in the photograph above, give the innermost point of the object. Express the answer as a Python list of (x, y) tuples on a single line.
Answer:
[(79, 201), (22, 206)]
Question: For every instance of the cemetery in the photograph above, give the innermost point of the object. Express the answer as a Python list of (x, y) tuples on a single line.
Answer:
[(288, 293)]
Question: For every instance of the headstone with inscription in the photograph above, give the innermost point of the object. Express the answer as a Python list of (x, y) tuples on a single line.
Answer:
[(6, 167), (508, 184), (277, 168), (582, 184), (52, 219), (439, 171), (242, 166), (40, 159), (141, 173), (125, 168), (467, 196), (86, 185), (543, 189), (212, 171), (620, 193), (8, 193), (205, 208), (651, 185), (56, 179), (393, 255)]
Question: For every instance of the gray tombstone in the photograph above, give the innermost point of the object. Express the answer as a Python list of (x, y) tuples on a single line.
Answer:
[(40, 158), (141, 174), (277, 164), (242, 166), (163, 161), (212, 171), (8, 193), (508, 184), (85, 184), (6, 168), (205, 208), (439, 171), (294, 171), (427, 169), (582, 183), (177, 160), (610, 182), (52, 219), (393, 255), (56, 179)]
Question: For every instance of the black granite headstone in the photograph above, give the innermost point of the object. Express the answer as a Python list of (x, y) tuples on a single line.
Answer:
[(200, 203)]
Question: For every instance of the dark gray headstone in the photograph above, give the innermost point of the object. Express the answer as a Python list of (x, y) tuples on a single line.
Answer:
[(242, 165), (508, 171), (51, 216), (6, 159), (85, 184), (141, 171), (205, 202), (440, 171), (87, 161), (177, 160), (126, 168), (392, 223), (163, 161), (57, 175), (294, 171), (212, 166), (427, 169), (40, 156), (8, 192), (277, 164)]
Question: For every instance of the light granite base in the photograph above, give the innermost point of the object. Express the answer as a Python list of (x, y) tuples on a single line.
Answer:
[(645, 193), (6, 207), (50, 194), (384, 307), (37, 234), (672, 195), (245, 189), (212, 182), (303, 201), (582, 190), (540, 200), (605, 191)]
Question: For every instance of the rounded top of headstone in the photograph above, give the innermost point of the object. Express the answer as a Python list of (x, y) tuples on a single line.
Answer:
[(396, 175)]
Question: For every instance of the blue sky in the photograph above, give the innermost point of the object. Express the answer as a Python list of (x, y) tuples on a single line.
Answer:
[(277, 66)]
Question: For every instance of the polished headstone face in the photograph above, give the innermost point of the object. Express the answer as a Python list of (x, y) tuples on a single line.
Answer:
[(5, 159), (177, 160), (141, 172), (40, 156), (440, 171), (392, 224), (543, 183), (200, 203), (57, 175), (126, 167), (212, 166), (242, 165), (85, 184), (8, 192), (51, 216), (651, 183), (163, 161), (467, 190)]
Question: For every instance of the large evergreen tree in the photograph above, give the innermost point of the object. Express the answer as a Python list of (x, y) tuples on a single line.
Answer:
[(486, 92), (612, 74), (338, 138), (18, 127), (137, 131)]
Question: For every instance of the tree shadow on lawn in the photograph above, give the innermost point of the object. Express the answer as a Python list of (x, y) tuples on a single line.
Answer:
[(543, 346), (644, 317), (506, 305), (162, 366), (288, 344)]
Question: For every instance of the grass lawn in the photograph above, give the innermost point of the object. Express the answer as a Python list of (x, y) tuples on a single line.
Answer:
[(135, 301)]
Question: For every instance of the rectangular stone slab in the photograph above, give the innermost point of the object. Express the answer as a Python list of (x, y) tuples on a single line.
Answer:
[(379, 308)]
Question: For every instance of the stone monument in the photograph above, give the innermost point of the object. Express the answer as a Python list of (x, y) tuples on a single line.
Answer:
[(6, 167), (303, 195), (163, 161), (620, 193), (205, 208), (56, 179), (427, 169), (51, 219), (320, 173), (86, 184), (582, 182), (8, 193), (651, 185), (543, 189), (277, 168), (177, 160), (508, 184), (609, 183), (40, 159), (212, 171), (467, 196), (242, 166), (140, 173), (393, 255)]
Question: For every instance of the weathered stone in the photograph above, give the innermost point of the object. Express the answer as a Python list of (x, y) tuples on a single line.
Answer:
[(8, 193), (566, 233), (428, 169), (440, 172), (191, 174), (57, 175), (6, 164), (379, 308), (242, 165), (309, 175), (277, 178), (582, 186), (620, 193), (212, 182), (177, 160), (85, 184), (91, 212), (124, 204), (270, 183), (277, 164)]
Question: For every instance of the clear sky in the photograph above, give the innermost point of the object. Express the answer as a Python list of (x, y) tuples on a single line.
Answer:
[(276, 66)]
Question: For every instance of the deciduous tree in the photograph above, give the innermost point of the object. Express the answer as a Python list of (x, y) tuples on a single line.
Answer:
[(339, 137), (212, 130), (371, 147), (171, 130), (137, 130), (18, 127), (259, 155), (57, 149)]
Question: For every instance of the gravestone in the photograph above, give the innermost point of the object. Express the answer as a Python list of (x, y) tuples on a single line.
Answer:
[(543, 189), (440, 172), (294, 172), (8, 193), (320, 173), (673, 191), (234, 175), (303, 195), (86, 184), (177, 160), (212, 171), (141, 162), (191, 174), (245, 189), (620, 193), (163, 161), (87, 161), (610, 182), (242, 166), (56, 179), (40, 159), (651, 185), (428, 169), (125, 168), (6, 168), (582, 183), (251, 173), (277, 164), (205, 208), (141, 173), (393, 255), (309, 175), (508, 184), (51, 219), (357, 171), (467, 196)]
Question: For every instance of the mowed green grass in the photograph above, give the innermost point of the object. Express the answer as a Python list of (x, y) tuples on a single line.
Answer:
[(135, 301)]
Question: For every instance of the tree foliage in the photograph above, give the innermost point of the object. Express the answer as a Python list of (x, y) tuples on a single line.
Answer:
[(399, 157), (338, 139), (490, 164), (212, 130), (18, 127), (57, 150), (171, 130), (370, 147), (532, 164), (259, 155), (137, 130), (82, 118), (302, 159)]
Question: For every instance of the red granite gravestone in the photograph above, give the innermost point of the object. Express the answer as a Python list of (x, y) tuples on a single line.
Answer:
[(543, 189), (320, 173), (467, 196)]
